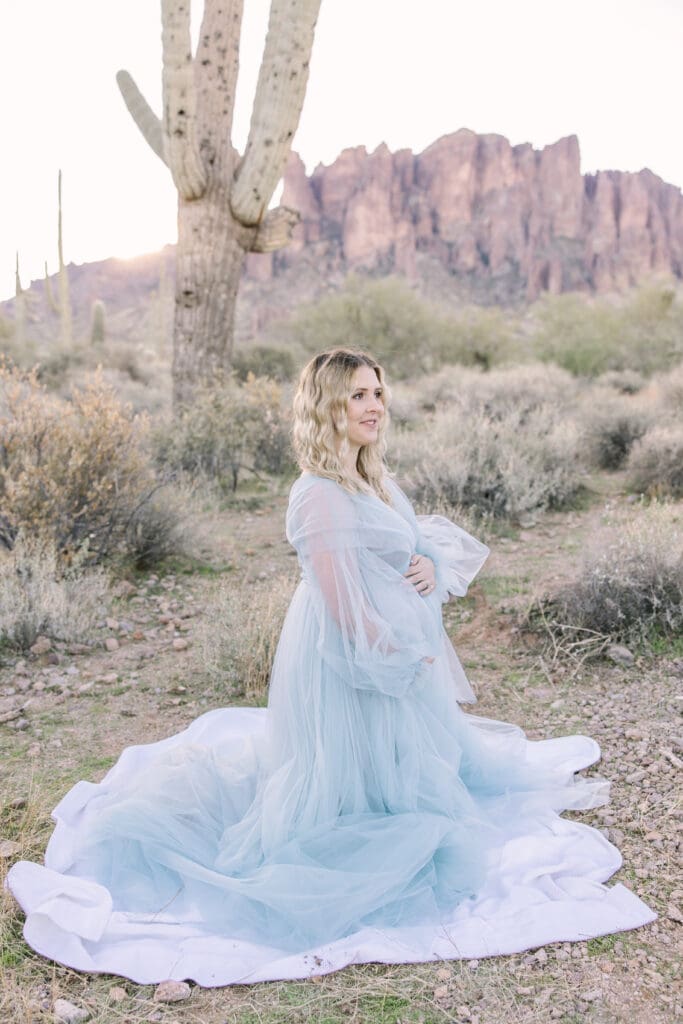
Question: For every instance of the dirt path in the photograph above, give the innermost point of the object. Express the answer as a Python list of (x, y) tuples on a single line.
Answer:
[(73, 713)]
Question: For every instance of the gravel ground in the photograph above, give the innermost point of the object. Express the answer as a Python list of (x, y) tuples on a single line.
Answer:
[(66, 713)]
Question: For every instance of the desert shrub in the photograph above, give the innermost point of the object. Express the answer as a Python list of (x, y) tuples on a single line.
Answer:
[(626, 382), (74, 472), (384, 317), (39, 595), (229, 427), (264, 361), (655, 463), (236, 640), (509, 466), (629, 588), (611, 424), (479, 337), (668, 392), (497, 392), (644, 332)]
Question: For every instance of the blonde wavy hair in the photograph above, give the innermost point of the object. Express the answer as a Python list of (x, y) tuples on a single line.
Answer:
[(320, 404)]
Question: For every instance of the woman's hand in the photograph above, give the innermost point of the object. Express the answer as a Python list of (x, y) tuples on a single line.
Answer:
[(421, 574)]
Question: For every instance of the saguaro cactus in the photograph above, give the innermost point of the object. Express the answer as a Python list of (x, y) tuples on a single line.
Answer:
[(19, 309), (65, 318), (97, 322), (222, 198)]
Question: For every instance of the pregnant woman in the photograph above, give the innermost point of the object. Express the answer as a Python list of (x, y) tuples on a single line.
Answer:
[(363, 815)]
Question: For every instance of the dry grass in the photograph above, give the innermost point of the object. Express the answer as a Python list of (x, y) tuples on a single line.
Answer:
[(235, 643), (556, 984), (39, 596)]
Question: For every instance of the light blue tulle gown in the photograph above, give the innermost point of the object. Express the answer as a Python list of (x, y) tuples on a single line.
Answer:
[(362, 816)]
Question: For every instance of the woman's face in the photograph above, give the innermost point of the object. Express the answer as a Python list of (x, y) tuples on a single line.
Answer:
[(365, 407)]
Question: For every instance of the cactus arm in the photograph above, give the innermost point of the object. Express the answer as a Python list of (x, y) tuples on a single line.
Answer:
[(141, 112), (180, 101), (275, 230), (216, 68), (17, 278), (277, 106)]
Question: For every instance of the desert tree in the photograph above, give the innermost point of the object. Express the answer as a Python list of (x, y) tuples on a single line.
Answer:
[(223, 197)]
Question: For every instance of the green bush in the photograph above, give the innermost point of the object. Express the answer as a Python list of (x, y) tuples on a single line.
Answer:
[(278, 364), (405, 333), (643, 333)]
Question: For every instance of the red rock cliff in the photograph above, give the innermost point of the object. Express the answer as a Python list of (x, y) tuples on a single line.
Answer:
[(504, 222)]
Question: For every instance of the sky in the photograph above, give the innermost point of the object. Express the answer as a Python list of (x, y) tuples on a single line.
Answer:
[(404, 72)]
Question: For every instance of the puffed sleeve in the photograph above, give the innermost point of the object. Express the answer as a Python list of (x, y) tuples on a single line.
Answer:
[(457, 555), (374, 631)]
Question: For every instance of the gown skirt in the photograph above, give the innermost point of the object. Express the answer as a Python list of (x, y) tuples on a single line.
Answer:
[(362, 816)]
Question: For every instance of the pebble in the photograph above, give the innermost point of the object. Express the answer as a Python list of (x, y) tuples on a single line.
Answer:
[(41, 646), (172, 992), (108, 677), (620, 655), (68, 1012), (8, 848), (77, 648), (674, 914), (179, 644), (111, 643), (117, 994)]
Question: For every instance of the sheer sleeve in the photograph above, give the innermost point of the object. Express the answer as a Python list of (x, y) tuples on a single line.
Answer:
[(457, 555), (373, 629)]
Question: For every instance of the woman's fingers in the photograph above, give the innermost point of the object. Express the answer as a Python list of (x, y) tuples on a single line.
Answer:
[(421, 574)]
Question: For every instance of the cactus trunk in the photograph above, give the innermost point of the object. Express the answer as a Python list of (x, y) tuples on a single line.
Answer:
[(209, 262), (222, 200)]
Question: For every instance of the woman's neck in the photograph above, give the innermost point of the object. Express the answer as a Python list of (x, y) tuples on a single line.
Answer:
[(350, 462)]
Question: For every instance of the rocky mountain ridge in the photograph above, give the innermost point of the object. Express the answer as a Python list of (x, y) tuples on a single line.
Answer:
[(471, 218), (505, 222)]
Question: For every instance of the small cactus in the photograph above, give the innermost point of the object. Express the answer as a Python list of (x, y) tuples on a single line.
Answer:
[(65, 320), (19, 308), (97, 322)]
